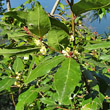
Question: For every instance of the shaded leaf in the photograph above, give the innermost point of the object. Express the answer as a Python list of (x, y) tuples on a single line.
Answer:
[(66, 79), (59, 24), (5, 83), (44, 68), (86, 5)]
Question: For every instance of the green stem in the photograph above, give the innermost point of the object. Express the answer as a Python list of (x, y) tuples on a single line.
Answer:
[(73, 22)]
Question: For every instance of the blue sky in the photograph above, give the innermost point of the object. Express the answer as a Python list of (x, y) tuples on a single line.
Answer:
[(48, 4)]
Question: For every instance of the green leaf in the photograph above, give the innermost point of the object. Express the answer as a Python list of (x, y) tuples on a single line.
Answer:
[(5, 83), (86, 5), (38, 21), (18, 65), (9, 52), (61, 6), (17, 35), (43, 68), (66, 79), (105, 57), (59, 24), (48, 101), (98, 46), (28, 97), (19, 15), (93, 104), (57, 38)]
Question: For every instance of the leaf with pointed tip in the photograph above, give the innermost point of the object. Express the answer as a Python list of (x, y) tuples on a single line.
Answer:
[(98, 46), (38, 21), (86, 5), (5, 83), (66, 79), (44, 68), (18, 65), (10, 52), (57, 38)]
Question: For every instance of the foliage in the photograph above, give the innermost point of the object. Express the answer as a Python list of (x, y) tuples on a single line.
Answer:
[(45, 64)]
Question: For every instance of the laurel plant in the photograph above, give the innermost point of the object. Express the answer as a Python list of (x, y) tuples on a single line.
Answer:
[(54, 63)]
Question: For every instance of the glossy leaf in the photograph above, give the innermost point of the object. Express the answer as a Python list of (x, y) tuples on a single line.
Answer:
[(18, 65), (86, 5), (5, 83), (38, 21), (43, 68), (98, 46), (57, 38), (28, 97), (66, 79)]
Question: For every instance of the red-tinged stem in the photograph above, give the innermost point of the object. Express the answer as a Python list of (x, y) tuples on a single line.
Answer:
[(33, 35)]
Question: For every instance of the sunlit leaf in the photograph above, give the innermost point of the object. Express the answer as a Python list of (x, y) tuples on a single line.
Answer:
[(57, 38), (66, 79), (43, 68), (93, 104), (38, 21), (5, 83), (18, 65), (98, 46)]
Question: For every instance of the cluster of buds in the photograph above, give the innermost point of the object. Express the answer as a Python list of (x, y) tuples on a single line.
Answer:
[(39, 43), (67, 52), (71, 38), (18, 77)]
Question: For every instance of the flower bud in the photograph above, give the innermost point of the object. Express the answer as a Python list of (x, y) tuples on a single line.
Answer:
[(43, 50), (71, 38), (37, 42)]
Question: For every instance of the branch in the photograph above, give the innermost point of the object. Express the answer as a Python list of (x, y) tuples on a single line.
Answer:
[(54, 7), (8, 5)]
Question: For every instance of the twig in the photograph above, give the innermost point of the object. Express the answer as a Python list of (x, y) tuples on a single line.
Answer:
[(60, 17), (54, 7), (36, 37), (63, 108), (13, 99)]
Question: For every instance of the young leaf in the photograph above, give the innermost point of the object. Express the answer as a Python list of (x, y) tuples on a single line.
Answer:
[(38, 21), (5, 83), (18, 65), (44, 68), (86, 5), (57, 38), (66, 79)]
